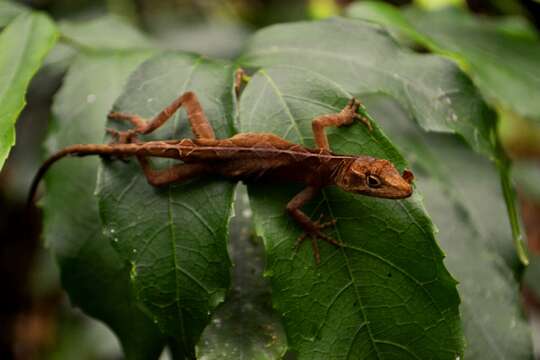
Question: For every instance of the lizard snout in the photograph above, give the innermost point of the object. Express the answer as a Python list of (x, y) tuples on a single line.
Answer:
[(399, 186)]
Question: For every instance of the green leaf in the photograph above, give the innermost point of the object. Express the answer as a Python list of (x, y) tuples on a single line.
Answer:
[(463, 196), (386, 293), (9, 11), (104, 32), (245, 326), (391, 18), (432, 90), (174, 237), (23, 46), (501, 59), (95, 277), (362, 58), (477, 47)]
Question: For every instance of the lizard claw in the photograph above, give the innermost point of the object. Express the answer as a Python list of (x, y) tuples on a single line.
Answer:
[(314, 232), (128, 136), (354, 105), (364, 120), (122, 137), (115, 133), (352, 112)]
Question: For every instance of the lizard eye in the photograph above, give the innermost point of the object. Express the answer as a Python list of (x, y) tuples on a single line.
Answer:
[(373, 181)]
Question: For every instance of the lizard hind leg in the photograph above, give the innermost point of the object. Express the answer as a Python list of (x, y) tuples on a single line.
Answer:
[(318, 226), (311, 228), (174, 174), (199, 123)]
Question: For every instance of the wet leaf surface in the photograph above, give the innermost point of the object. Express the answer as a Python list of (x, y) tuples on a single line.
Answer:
[(173, 237)]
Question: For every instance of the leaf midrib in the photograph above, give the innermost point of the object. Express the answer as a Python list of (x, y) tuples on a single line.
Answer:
[(177, 266)]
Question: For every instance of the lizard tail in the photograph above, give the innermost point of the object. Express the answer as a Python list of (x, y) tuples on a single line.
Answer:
[(73, 150)]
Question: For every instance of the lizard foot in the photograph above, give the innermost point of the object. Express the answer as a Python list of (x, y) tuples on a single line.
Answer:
[(313, 231), (123, 137), (354, 106)]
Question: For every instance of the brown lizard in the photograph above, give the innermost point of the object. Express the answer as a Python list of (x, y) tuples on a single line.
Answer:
[(252, 157)]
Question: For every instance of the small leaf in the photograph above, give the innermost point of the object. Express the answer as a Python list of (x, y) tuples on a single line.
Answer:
[(95, 34), (95, 277), (174, 237), (23, 46), (386, 293), (464, 198)]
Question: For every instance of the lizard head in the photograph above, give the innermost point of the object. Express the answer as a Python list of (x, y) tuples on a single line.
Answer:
[(376, 177)]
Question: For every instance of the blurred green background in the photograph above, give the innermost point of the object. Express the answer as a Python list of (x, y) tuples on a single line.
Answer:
[(37, 320)]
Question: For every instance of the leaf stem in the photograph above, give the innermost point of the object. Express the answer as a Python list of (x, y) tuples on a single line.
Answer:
[(504, 167)]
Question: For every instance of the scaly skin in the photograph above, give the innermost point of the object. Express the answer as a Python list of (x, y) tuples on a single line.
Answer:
[(252, 157)]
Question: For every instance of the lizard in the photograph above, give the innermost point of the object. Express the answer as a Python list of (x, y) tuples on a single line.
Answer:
[(252, 157)]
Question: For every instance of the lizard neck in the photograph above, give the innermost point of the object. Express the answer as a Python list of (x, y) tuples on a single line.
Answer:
[(340, 166)]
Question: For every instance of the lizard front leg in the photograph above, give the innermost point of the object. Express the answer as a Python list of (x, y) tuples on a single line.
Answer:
[(311, 228), (199, 123), (345, 117)]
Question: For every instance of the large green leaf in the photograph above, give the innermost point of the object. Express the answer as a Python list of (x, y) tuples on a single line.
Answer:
[(95, 277), (463, 196), (502, 60), (23, 46), (174, 237), (386, 293), (505, 77), (361, 58)]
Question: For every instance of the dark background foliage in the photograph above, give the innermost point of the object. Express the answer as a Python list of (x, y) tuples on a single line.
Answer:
[(37, 319)]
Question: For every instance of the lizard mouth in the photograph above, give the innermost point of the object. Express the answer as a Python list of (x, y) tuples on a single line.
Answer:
[(405, 193)]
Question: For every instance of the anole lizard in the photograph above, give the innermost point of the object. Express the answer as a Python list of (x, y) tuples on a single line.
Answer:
[(251, 157)]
